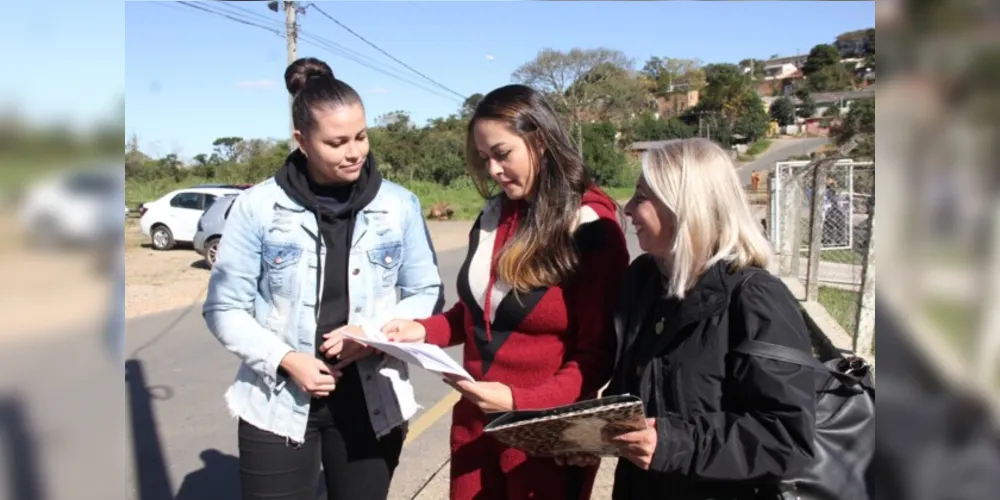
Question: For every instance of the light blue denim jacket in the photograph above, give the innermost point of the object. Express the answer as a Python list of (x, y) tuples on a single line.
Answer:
[(263, 294)]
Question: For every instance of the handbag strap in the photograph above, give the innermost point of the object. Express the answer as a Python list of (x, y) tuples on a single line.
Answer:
[(782, 353)]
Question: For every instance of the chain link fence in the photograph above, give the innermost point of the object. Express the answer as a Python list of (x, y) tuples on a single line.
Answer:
[(821, 219)]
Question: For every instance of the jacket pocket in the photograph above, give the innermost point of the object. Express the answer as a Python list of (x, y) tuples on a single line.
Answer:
[(672, 387), (385, 260), (280, 261)]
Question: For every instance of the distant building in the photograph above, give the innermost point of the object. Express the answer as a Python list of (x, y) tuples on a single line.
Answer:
[(675, 103), (783, 67)]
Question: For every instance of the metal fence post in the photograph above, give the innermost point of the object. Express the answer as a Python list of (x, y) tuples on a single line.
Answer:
[(785, 244), (989, 329), (816, 231), (864, 336), (797, 198)]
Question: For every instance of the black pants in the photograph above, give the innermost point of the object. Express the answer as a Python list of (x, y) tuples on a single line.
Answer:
[(356, 465)]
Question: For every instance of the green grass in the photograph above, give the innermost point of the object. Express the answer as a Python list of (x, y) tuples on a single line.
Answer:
[(20, 171), (621, 194), (959, 322), (842, 306), (842, 256), (756, 149), (462, 198)]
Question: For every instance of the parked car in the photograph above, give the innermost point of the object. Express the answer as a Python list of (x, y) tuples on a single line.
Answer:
[(174, 217), (234, 186), (73, 207), (209, 233)]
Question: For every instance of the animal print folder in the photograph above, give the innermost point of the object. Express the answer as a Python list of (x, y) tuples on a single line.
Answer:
[(571, 428)]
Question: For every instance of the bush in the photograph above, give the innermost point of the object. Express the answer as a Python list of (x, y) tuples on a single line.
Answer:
[(606, 163)]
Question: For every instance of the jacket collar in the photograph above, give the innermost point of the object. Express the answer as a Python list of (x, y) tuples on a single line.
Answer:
[(708, 297), (375, 209)]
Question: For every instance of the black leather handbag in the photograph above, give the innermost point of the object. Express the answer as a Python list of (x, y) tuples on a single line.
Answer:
[(845, 425)]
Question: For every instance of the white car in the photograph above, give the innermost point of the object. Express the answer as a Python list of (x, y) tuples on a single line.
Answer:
[(174, 217), (72, 206)]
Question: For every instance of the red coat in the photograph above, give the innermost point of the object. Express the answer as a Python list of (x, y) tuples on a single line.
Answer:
[(552, 346)]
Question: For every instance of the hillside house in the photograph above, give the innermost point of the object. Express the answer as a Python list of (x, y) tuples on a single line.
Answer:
[(675, 103), (780, 68)]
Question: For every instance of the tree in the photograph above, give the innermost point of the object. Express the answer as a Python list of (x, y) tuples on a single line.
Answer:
[(612, 93), (751, 121), (469, 106), (725, 84), (859, 124), (605, 162), (729, 105), (647, 127), (783, 111), (668, 74), (823, 70), (754, 68), (555, 72), (204, 166), (807, 106), (170, 166), (228, 148)]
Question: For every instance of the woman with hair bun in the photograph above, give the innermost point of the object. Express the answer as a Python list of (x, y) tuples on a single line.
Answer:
[(313, 253)]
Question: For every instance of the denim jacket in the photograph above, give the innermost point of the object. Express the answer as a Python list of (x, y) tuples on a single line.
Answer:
[(263, 293)]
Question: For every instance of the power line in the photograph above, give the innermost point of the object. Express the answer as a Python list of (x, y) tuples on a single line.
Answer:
[(390, 56), (230, 17), (348, 53), (314, 40)]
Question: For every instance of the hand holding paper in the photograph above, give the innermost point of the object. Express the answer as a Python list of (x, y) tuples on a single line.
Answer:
[(427, 356)]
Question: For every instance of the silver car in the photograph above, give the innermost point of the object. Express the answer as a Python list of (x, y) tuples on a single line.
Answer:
[(209, 232)]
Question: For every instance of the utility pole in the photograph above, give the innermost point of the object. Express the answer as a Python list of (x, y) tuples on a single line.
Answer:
[(291, 40)]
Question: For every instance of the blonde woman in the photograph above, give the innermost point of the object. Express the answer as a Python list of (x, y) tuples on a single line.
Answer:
[(722, 425)]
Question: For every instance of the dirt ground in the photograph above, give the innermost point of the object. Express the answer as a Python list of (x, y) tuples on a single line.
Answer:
[(48, 293), (159, 281)]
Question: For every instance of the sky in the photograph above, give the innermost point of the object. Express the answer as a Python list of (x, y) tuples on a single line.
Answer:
[(64, 63), (191, 76)]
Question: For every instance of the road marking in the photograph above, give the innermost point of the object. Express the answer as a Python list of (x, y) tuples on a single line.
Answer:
[(432, 415)]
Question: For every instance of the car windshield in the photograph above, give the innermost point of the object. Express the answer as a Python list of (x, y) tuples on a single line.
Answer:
[(92, 183)]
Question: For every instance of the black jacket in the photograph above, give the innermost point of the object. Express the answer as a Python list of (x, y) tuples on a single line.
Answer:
[(728, 426)]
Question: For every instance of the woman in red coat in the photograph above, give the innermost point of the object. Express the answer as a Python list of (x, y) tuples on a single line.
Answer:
[(537, 289)]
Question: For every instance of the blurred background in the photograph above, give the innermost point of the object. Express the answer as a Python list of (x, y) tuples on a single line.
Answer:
[(63, 415), (62, 112)]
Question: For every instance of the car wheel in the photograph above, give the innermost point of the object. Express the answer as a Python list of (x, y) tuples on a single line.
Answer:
[(162, 238), (211, 251)]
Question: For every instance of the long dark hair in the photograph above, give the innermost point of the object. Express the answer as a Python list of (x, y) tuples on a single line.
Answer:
[(311, 83), (542, 252)]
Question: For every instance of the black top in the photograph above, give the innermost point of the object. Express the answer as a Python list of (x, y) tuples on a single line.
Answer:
[(729, 426), (336, 208)]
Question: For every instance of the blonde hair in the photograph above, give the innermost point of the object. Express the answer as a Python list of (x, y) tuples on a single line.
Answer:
[(696, 180)]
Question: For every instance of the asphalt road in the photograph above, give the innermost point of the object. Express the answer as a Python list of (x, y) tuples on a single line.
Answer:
[(183, 441), (780, 150)]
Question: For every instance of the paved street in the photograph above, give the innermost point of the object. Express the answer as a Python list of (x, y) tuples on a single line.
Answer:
[(780, 150), (184, 438), (184, 441)]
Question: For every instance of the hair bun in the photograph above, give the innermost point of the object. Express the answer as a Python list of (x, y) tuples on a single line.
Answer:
[(302, 70)]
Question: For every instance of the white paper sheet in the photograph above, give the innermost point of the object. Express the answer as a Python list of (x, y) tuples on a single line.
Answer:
[(427, 356)]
